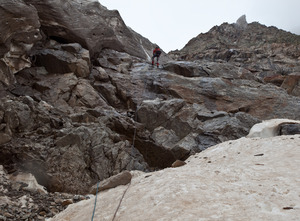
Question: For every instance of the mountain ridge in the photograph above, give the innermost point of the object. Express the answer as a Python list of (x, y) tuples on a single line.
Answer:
[(230, 36)]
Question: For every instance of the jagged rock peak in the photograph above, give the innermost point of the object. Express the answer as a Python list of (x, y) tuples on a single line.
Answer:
[(248, 40), (241, 23)]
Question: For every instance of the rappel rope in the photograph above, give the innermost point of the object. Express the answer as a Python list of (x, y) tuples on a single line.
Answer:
[(95, 201), (115, 214), (135, 120), (132, 151)]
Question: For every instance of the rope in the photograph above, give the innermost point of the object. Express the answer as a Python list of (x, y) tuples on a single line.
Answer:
[(135, 119), (95, 201), (133, 139), (132, 150), (120, 203)]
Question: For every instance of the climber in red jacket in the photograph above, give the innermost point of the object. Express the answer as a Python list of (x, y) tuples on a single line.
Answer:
[(156, 53)]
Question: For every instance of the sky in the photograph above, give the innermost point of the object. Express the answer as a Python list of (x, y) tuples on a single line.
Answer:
[(172, 23)]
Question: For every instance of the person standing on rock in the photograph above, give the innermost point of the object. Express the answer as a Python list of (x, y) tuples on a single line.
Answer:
[(156, 54)]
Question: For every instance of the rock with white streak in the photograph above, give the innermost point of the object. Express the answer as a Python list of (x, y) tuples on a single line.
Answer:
[(91, 25)]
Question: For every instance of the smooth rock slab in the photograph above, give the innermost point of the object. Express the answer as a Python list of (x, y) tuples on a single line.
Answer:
[(229, 181)]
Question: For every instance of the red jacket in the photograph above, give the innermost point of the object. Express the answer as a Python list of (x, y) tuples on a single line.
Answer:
[(156, 51)]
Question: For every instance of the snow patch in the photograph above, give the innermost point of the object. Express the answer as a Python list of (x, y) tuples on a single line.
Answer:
[(30, 180), (268, 128)]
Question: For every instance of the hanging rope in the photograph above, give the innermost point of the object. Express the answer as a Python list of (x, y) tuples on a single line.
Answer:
[(135, 119), (132, 150), (120, 202), (134, 133), (95, 202)]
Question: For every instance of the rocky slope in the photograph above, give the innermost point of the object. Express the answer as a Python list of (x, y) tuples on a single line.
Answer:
[(80, 103), (270, 54)]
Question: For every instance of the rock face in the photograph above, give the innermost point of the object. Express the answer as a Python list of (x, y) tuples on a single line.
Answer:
[(90, 24), (270, 54), (242, 42), (19, 31), (79, 102), (67, 57), (38, 138), (252, 179)]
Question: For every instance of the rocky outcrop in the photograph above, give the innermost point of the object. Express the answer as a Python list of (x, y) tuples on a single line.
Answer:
[(267, 52), (37, 137), (87, 23), (91, 25), (241, 23), (252, 42), (19, 31), (176, 116)]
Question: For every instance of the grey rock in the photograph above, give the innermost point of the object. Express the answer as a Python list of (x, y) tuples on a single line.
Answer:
[(289, 129), (186, 69), (65, 58), (122, 178), (241, 23), (91, 25), (18, 33), (4, 138)]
